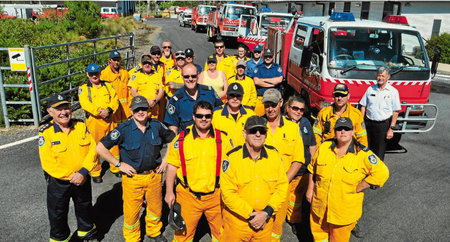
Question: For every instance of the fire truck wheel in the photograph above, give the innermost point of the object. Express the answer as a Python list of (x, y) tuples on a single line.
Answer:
[(192, 26), (196, 28)]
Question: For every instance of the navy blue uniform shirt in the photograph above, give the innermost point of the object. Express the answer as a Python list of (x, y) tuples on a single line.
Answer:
[(180, 109), (261, 71), (138, 149)]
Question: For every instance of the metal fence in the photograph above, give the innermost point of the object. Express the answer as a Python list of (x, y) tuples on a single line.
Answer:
[(71, 70)]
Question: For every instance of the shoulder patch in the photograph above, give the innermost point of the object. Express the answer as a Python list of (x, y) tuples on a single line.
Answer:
[(372, 159), (175, 144), (41, 141), (115, 134), (133, 77), (171, 109), (234, 149), (280, 69), (46, 126), (204, 87), (363, 125), (80, 90), (305, 130), (316, 122), (225, 165)]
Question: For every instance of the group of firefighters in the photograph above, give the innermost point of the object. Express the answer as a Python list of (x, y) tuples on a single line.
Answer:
[(248, 161)]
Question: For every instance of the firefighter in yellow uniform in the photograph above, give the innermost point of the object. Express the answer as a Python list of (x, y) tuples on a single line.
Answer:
[(241, 55), (232, 117), (340, 170), (174, 80), (326, 119), (167, 57), (146, 82), (249, 98), (198, 151), (67, 153), (254, 185), (224, 61), (99, 100), (118, 77), (284, 135)]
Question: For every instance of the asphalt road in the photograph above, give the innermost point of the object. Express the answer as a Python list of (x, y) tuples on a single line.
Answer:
[(412, 206)]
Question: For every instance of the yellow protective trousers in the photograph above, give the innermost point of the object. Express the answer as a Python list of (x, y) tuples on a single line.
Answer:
[(236, 228), (296, 194), (98, 128), (135, 189), (323, 231), (192, 209), (259, 107)]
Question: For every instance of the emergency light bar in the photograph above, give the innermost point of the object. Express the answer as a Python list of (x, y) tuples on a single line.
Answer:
[(265, 10), (395, 19), (341, 16)]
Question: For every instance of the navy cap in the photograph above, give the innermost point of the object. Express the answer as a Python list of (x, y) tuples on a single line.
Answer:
[(114, 54), (155, 49), (139, 102), (93, 68), (255, 122), (56, 99), (235, 88), (189, 52), (268, 52), (257, 48), (211, 58), (343, 122)]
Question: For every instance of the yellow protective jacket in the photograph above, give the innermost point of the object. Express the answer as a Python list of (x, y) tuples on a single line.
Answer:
[(120, 83), (249, 98), (173, 74), (93, 98), (336, 180), (63, 154)]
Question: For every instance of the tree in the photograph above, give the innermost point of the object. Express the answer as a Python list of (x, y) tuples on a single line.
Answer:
[(84, 16)]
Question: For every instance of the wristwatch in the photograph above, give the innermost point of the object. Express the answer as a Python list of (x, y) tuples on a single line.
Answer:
[(392, 127), (118, 164)]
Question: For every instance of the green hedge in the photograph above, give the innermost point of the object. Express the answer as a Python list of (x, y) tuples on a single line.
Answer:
[(443, 42)]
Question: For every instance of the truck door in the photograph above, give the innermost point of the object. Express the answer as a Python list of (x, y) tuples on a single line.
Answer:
[(299, 43), (247, 25)]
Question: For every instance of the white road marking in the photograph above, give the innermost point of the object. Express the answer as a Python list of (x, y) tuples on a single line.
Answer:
[(18, 142)]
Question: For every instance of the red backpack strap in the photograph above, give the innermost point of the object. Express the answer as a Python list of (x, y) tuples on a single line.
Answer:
[(182, 158), (174, 60), (219, 155), (164, 74)]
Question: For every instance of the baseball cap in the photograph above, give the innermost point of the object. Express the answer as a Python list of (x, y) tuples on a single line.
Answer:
[(56, 99), (114, 54), (344, 122), (93, 68), (180, 54), (257, 48), (139, 102), (341, 88), (155, 49), (146, 59), (175, 219), (268, 52), (271, 95), (241, 63), (189, 52), (235, 88), (255, 122), (211, 58)]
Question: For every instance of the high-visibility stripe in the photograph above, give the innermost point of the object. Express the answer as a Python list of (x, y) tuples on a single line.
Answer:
[(295, 204), (317, 131), (81, 234), (66, 240), (214, 239), (325, 240), (153, 217), (131, 226), (361, 134), (276, 236), (123, 100)]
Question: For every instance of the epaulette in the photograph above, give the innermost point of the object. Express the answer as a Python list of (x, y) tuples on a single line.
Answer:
[(234, 149), (270, 147), (138, 67), (204, 87), (178, 96), (331, 139), (46, 126), (247, 107), (231, 77), (218, 108), (225, 133), (362, 147)]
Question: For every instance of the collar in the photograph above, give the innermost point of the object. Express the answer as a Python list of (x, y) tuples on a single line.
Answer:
[(281, 121), (57, 129), (257, 62), (351, 147), (346, 107), (246, 153), (195, 134), (290, 119), (89, 83), (226, 113), (134, 126)]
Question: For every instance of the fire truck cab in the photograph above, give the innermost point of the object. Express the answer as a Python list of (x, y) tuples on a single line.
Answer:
[(200, 17), (319, 52)]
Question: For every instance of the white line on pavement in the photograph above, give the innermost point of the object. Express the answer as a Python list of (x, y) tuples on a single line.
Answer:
[(18, 142)]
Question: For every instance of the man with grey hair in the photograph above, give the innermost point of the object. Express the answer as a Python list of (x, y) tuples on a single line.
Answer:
[(380, 105)]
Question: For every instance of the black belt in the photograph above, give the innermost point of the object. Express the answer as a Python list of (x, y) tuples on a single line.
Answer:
[(196, 194), (146, 172)]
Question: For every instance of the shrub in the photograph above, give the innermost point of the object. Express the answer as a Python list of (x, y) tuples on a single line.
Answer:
[(443, 42)]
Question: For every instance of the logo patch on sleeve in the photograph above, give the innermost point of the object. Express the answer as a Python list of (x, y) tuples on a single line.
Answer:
[(175, 145), (225, 165), (316, 122), (373, 159), (41, 140), (115, 134), (80, 91), (171, 109), (305, 130), (363, 125)]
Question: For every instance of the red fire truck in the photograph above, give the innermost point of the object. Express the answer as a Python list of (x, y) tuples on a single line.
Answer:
[(200, 17), (224, 21), (256, 29), (319, 52)]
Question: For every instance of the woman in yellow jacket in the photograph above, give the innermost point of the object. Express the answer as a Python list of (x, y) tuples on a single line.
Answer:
[(340, 170)]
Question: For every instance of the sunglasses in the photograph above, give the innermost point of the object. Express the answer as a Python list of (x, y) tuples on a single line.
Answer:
[(167, 47), (338, 94), (234, 96), (270, 104), (191, 76), (343, 128), (256, 52), (137, 110), (219, 47), (268, 57), (262, 131), (179, 58), (212, 62), (201, 116), (93, 73), (295, 108), (156, 53)]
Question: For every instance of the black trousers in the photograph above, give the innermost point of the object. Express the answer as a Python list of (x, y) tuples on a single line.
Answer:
[(376, 135), (59, 193)]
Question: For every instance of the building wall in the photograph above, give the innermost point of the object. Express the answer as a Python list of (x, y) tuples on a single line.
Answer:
[(422, 15)]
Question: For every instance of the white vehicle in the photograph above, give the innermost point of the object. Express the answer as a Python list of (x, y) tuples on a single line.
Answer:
[(185, 18)]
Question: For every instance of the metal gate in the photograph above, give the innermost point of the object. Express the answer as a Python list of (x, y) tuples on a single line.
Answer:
[(69, 71)]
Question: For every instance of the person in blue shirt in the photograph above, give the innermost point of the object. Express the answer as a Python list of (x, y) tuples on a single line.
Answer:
[(140, 142), (253, 62), (266, 75), (179, 111)]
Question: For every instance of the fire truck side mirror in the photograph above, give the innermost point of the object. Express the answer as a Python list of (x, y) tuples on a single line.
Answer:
[(436, 59)]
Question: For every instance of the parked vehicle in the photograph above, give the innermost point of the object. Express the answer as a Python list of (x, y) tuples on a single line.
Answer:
[(200, 17), (109, 12), (185, 18)]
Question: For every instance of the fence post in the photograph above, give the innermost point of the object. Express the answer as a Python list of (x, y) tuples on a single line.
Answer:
[(132, 49), (3, 96), (29, 66)]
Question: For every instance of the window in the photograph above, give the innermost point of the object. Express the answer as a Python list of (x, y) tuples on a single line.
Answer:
[(347, 6), (365, 10), (436, 27), (388, 9), (300, 36), (331, 8)]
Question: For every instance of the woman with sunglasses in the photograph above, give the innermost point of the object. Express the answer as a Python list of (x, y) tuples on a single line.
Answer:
[(341, 170), (214, 78), (298, 207)]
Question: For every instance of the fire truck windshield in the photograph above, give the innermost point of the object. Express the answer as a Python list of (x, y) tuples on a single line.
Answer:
[(273, 21), (234, 12), (205, 10), (369, 48)]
